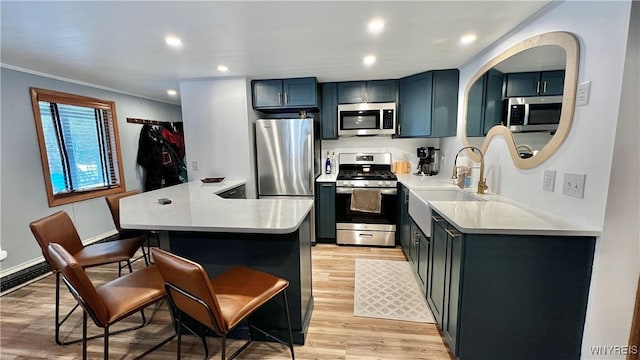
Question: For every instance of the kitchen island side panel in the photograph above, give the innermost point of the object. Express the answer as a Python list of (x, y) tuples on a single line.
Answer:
[(524, 297), (284, 255)]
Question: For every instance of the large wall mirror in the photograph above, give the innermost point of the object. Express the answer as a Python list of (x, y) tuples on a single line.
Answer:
[(527, 95)]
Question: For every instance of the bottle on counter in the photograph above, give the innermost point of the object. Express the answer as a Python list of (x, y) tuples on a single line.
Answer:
[(327, 165), (333, 162)]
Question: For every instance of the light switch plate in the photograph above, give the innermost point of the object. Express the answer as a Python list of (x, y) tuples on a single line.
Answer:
[(194, 165), (582, 93), (573, 185), (549, 181)]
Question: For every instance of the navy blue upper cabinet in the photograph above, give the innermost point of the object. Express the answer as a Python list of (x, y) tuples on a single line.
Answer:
[(535, 83), (484, 104), (329, 111), (297, 93), (414, 106), (352, 92), (428, 104)]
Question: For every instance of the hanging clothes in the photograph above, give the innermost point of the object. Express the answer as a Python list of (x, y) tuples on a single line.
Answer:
[(159, 158)]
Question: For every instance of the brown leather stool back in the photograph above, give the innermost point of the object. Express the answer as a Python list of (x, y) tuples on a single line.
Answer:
[(113, 201), (192, 278), (83, 289), (56, 228)]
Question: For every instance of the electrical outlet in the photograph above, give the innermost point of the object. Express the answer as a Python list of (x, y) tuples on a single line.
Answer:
[(549, 180), (582, 93), (194, 165), (573, 185)]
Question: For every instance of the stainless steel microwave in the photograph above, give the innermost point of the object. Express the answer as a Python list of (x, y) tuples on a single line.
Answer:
[(536, 113), (367, 119)]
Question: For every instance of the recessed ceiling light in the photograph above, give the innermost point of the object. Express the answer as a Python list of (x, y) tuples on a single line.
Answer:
[(369, 60), (171, 92), (468, 39), (173, 41), (376, 26), (223, 68)]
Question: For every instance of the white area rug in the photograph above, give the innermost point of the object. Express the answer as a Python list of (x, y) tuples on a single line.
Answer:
[(388, 290)]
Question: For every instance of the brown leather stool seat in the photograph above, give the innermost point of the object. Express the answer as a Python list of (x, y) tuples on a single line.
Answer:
[(222, 302), (58, 228), (110, 302)]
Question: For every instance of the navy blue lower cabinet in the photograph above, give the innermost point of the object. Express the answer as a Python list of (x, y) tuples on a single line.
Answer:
[(509, 296), (326, 212), (404, 221)]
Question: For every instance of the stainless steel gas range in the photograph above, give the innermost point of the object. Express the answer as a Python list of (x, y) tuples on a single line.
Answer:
[(366, 200)]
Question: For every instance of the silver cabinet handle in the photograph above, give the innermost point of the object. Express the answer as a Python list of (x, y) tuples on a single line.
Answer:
[(544, 88), (538, 87), (436, 218), (280, 98), (326, 185), (406, 198), (452, 234), (286, 98), (363, 235)]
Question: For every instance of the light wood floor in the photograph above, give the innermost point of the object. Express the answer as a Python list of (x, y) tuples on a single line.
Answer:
[(26, 322)]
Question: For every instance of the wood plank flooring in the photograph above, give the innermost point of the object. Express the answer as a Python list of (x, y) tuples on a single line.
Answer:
[(26, 322)]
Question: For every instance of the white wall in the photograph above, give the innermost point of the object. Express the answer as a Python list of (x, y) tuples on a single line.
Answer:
[(218, 129), (23, 196), (602, 29)]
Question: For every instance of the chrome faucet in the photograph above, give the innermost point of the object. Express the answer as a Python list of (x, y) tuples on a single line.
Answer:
[(482, 183)]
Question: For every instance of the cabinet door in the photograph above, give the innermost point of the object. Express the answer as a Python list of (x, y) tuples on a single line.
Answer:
[(414, 107), (523, 84), (299, 92), (404, 231), (422, 243), (450, 318), (352, 92), (437, 264), (493, 104), (326, 210), (381, 91), (267, 93), (329, 112), (444, 110), (475, 108), (552, 82)]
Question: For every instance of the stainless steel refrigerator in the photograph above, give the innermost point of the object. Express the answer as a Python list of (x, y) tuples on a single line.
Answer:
[(288, 159)]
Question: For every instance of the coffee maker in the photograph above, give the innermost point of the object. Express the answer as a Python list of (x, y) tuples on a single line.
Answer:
[(428, 160)]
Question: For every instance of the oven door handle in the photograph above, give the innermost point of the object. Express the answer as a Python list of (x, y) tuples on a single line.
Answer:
[(348, 190)]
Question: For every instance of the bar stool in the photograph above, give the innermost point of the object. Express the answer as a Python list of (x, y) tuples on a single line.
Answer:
[(220, 303), (113, 301), (58, 228), (113, 202)]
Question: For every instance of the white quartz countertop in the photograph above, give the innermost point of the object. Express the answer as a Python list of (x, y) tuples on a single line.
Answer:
[(489, 214), (196, 207)]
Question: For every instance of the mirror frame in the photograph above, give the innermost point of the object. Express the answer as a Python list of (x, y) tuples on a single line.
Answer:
[(572, 47)]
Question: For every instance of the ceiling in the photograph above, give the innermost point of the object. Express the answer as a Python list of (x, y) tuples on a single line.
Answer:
[(121, 45)]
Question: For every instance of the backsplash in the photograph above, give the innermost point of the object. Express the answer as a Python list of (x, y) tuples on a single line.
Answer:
[(400, 149)]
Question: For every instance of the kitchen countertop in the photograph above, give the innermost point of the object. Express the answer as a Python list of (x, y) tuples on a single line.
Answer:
[(493, 214), (196, 207)]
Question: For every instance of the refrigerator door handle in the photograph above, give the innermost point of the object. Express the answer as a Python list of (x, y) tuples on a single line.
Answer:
[(310, 160)]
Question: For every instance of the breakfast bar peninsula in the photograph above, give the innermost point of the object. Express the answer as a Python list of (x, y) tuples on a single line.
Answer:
[(271, 235)]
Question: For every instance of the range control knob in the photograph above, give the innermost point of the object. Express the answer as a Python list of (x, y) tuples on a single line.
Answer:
[(387, 182), (380, 183)]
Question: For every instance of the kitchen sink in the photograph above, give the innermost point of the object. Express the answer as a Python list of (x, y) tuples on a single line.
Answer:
[(419, 204)]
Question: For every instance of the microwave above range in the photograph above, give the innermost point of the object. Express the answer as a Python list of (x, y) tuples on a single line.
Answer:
[(367, 119), (537, 113)]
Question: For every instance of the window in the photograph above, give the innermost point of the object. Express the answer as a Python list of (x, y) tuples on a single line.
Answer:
[(79, 146)]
